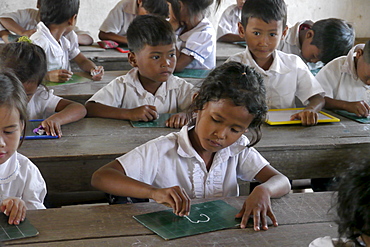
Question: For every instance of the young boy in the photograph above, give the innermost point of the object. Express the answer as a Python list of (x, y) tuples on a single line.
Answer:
[(285, 75), (344, 80), (321, 41), (54, 34), (227, 30), (149, 88), (23, 22), (119, 18)]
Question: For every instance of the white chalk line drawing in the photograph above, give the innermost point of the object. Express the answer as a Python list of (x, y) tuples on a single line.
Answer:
[(198, 221)]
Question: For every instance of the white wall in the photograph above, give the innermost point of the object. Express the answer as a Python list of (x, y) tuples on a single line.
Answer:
[(93, 12)]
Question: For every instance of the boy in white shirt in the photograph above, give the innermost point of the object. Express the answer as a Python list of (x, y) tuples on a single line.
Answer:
[(285, 75), (149, 88), (227, 30), (54, 34), (345, 81)]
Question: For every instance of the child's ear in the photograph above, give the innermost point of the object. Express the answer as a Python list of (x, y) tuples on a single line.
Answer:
[(359, 53), (139, 3), (132, 59), (241, 30), (194, 96), (72, 21), (284, 32), (310, 34)]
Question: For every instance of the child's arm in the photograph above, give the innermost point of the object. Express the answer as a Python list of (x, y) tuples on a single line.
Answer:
[(177, 121), (112, 179), (360, 108), (230, 37), (309, 116), (182, 61), (143, 113), (59, 75), (66, 112), (89, 67), (11, 25), (4, 35), (258, 204), (84, 39), (112, 36), (15, 208)]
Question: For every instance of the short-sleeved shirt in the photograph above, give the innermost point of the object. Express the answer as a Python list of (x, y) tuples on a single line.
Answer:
[(172, 161), (288, 77), (127, 92), (200, 43), (120, 17), (26, 18), (42, 104), (339, 78), (57, 54), (229, 21), (20, 178)]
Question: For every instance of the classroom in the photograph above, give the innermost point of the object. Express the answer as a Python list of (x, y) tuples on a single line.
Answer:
[(104, 118)]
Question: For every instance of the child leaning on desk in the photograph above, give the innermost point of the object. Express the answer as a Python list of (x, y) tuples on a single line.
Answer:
[(207, 156), (149, 88), (346, 81), (286, 76), (227, 30), (28, 61), (21, 184), (54, 34)]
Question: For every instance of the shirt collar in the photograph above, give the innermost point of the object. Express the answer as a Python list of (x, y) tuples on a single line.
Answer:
[(9, 169), (131, 7), (57, 48), (349, 64)]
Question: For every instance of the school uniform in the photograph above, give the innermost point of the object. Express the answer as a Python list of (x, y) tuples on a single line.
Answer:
[(21, 178), (171, 160), (174, 95), (229, 21), (288, 77), (120, 17), (57, 53), (339, 78), (43, 104), (200, 43)]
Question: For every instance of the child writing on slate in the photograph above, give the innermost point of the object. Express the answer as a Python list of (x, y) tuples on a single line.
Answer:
[(149, 88), (28, 61), (286, 76), (58, 18), (21, 184), (227, 30), (207, 156), (344, 80)]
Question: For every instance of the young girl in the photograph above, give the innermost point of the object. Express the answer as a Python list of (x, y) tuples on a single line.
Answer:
[(28, 62), (196, 42), (205, 158), (21, 184)]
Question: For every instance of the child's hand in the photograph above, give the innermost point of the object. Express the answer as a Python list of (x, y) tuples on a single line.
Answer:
[(97, 73), (257, 204), (308, 117), (52, 127), (177, 121), (175, 197), (360, 108), (143, 113), (60, 75), (15, 208)]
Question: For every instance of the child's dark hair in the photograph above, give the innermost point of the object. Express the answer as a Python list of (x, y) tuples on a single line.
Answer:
[(267, 10), (353, 204), (149, 30), (239, 83), (28, 61), (196, 7), (367, 52), (58, 11), (12, 95), (334, 37), (156, 7)]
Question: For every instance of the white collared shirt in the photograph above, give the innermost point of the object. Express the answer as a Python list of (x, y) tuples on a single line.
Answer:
[(172, 161), (229, 21), (127, 92), (288, 77), (42, 104)]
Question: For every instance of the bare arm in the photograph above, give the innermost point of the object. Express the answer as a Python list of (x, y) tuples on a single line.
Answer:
[(84, 63), (112, 36), (11, 25), (84, 39), (4, 35), (360, 108), (230, 37), (182, 61)]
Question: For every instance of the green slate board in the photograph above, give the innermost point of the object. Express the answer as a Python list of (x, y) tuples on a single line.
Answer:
[(353, 116), (193, 73), (211, 216), (158, 123), (75, 79), (8, 232)]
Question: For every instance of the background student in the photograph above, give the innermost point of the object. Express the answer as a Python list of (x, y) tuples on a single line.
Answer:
[(207, 156), (196, 41), (149, 88), (21, 185), (344, 80), (28, 61), (119, 18), (286, 76), (54, 34), (227, 30)]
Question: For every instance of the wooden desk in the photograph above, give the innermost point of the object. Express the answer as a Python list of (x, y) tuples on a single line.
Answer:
[(301, 217), (225, 50)]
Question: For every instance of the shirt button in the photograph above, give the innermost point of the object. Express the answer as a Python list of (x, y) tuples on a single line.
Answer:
[(208, 182)]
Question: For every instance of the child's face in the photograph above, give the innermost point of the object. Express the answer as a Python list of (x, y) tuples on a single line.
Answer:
[(362, 68), (155, 63), (11, 129), (311, 53), (262, 38), (30, 88), (219, 124), (240, 3)]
